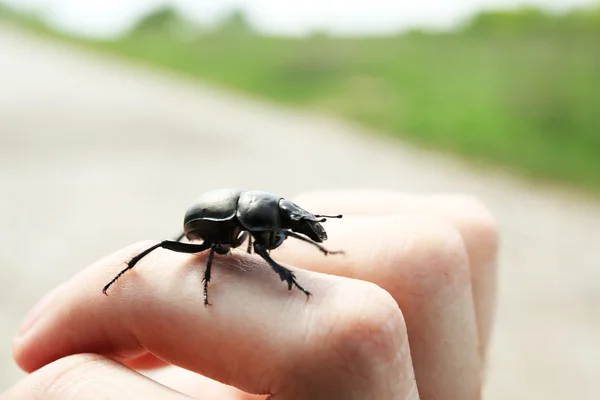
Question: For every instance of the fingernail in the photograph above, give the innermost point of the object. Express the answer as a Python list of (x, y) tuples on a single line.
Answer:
[(37, 311)]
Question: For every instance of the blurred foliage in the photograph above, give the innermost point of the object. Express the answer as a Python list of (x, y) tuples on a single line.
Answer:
[(532, 21), (162, 20), (7, 14), (234, 23), (520, 89), (165, 21), (31, 21)]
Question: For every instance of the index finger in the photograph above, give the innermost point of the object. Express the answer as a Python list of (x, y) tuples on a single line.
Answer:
[(258, 335)]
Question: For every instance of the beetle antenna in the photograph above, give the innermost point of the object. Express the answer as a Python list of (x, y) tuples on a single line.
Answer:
[(328, 216)]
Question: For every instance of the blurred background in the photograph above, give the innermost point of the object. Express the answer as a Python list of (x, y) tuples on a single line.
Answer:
[(115, 115)]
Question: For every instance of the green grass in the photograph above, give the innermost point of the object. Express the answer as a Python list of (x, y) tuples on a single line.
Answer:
[(529, 103)]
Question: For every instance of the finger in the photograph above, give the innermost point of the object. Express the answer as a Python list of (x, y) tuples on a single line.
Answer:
[(197, 386), (468, 215), (89, 376), (422, 263), (346, 341), (185, 381)]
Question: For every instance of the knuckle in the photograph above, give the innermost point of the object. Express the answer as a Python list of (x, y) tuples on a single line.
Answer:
[(359, 344), (477, 223), (437, 258), (367, 329)]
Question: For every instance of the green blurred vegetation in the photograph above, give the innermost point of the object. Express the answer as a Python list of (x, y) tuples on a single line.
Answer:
[(519, 89)]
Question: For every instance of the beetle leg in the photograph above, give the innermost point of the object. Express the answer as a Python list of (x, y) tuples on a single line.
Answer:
[(207, 274), (249, 244), (165, 244), (318, 246), (284, 273)]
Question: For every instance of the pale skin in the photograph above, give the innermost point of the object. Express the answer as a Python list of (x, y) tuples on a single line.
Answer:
[(406, 312)]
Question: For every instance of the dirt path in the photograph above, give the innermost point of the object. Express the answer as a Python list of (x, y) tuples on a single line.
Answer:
[(84, 138)]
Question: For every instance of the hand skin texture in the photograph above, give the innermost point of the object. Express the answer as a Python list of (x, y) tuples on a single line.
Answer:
[(406, 313)]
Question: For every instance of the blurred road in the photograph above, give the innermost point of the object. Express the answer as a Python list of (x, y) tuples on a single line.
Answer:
[(96, 154)]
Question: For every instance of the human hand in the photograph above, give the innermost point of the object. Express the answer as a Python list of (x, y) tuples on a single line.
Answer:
[(431, 261)]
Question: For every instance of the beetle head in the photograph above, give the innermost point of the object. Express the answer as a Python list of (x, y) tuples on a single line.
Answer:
[(312, 229), (299, 220)]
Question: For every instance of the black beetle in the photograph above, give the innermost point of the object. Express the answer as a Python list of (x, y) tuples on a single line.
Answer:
[(225, 218)]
